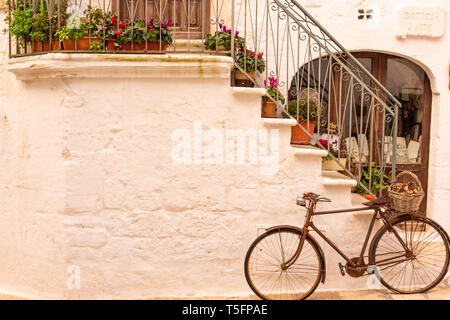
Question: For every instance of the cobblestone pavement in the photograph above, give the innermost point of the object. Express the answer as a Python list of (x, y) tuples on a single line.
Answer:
[(441, 292)]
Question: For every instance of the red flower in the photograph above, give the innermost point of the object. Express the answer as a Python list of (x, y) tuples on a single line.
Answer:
[(114, 23), (113, 19), (122, 24), (61, 21), (260, 55), (117, 32)]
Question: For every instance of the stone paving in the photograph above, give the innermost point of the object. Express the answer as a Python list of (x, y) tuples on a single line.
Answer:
[(441, 292)]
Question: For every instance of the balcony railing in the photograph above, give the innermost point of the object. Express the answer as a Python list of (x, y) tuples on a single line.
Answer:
[(276, 44)]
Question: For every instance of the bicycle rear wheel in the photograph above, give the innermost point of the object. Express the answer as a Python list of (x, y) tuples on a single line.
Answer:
[(420, 268), (263, 266)]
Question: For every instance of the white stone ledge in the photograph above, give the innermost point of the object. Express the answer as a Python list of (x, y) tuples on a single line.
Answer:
[(309, 151), (85, 65), (258, 92), (334, 178), (279, 122)]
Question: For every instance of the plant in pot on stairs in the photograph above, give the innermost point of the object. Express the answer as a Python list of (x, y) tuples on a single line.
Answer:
[(269, 106), (371, 179), (306, 112), (250, 62), (220, 41), (336, 160)]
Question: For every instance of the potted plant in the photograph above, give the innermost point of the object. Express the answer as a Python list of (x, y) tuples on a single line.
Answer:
[(41, 30), (269, 106), (72, 33), (221, 40), (372, 175), (20, 24), (158, 35), (96, 20), (306, 112), (140, 35), (337, 150), (250, 62)]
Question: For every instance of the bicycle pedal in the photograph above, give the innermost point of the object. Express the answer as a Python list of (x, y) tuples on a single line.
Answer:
[(341, 267)]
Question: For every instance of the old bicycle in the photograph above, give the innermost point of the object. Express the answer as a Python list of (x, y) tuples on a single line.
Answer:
[(410, 252)]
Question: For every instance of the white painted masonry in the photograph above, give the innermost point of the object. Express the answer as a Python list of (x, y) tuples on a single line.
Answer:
[(87, 178)]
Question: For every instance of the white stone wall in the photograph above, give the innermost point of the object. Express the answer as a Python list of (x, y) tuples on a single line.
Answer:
[(87, 179)]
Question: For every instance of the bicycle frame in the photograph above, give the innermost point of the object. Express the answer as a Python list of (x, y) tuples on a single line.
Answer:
[(359, 266)]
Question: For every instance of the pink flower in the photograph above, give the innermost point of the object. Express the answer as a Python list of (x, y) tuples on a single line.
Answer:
[(169, 22), (144, 20), (237, 33)]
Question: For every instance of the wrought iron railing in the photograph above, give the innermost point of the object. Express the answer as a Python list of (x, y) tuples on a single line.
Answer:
[(276, 44), (336, 101)]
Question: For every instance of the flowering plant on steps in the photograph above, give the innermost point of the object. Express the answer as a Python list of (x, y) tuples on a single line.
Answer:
[(335, 148), (272, 90), (221, 40), (269, 106)]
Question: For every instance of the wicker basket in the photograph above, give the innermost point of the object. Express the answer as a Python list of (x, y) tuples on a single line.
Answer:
[(406, 203)]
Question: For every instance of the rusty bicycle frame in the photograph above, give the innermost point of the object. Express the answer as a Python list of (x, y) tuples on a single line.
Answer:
[(359, 267)]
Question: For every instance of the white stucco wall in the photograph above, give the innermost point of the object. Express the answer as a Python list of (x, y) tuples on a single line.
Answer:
[(87, 178)]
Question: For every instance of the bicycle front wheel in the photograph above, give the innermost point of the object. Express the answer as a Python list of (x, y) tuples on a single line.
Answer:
[(264, 273), (418, 268)]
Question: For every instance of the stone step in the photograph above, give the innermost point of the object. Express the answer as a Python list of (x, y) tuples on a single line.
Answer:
[(334, 178), (308, 151)]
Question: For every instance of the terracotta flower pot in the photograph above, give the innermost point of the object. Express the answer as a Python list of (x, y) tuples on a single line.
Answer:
[(241, 80), (220, 48), (144, 46), (110, 44), (81, 44), (298, 136), (269, 108), (46, 46), (368, 197), (331, 165)]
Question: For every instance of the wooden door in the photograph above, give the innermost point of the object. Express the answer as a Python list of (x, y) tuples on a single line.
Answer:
[(411, 86)]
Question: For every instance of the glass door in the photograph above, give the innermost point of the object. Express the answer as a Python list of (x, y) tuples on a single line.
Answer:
[(410, 85)]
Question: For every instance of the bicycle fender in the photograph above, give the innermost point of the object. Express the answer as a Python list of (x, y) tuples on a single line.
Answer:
[(324, 271)]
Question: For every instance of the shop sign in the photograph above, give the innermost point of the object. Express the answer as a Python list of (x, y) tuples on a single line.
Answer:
[(425, 22)]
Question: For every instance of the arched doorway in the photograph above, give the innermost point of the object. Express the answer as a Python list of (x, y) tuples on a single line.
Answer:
[(408, 82)]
